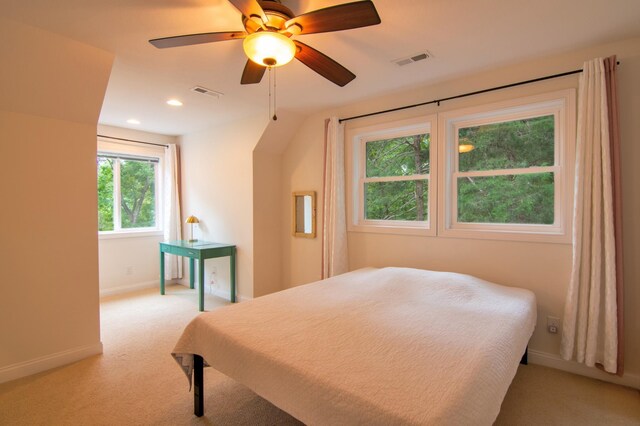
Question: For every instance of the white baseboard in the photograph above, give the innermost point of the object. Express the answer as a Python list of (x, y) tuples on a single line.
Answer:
[(555, 361), (47, 362), (127, 288)]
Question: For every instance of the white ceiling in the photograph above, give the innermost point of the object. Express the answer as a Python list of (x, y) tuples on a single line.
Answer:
[(464, 36)]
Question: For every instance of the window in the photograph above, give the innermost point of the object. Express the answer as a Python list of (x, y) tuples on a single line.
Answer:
[(505, 169), (506, 172), (394, 180), (128, 193), (501, 171)]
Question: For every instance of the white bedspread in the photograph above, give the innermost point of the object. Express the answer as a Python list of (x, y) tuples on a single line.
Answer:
[(374, 346)]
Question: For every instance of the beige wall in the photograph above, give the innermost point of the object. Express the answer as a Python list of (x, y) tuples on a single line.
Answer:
[(268, 228), (267, 233), (51, 93), (217, 187), (543, 268), (302, 165), (130, 262)]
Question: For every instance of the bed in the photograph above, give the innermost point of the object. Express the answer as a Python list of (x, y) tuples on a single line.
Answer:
[(373, 346)]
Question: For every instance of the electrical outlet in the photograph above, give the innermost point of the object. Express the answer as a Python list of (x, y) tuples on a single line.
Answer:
[(129, 270), (553, 325), (212, 277)]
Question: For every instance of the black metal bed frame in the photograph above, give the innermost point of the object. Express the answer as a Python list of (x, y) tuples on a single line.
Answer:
[(198, 385), (198, 381)]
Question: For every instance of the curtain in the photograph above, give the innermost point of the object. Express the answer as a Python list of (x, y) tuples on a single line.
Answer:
[(590, 328), (610, 65), (171, 217), (335, 259)]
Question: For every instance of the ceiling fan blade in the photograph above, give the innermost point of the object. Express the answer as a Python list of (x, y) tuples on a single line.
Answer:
[(189, 39), (252, 73), (323, 65), (250, 8), (336, 18)]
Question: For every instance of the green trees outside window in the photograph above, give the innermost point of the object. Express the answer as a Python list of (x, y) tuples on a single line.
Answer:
[(137, 194), (507, 176), (524, 199), (126, 193), (525, 148), (496, 171), (105, 194), (396, 185)]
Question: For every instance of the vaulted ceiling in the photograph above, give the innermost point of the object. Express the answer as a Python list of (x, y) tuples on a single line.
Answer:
[(462, 37)]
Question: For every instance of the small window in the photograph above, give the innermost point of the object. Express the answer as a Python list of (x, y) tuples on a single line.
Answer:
[(394, 183), (128, 193), (506, 170)]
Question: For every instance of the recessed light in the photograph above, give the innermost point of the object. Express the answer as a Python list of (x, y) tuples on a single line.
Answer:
[(174, 102), (133, 121)]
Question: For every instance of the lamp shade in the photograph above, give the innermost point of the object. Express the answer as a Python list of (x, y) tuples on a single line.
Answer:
[(192, 219), (268, 48)]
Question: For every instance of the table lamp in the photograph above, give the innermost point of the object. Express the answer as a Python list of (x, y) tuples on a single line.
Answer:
[(191, 220)]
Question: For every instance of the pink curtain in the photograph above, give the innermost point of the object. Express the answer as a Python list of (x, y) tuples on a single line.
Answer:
[(610, 65)]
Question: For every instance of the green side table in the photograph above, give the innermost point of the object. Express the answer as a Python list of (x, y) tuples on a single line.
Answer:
[(199, 250)]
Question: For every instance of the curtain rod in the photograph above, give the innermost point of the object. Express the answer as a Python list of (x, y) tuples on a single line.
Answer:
[(132, 140), (437, 101)]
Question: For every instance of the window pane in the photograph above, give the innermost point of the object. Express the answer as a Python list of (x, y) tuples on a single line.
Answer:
[(524, 199), (105, 194), (137, 192), (398, 156), (403, 200), (509, 145)]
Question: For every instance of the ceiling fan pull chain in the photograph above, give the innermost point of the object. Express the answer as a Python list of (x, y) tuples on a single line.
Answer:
[(269, 70), (275, 117)]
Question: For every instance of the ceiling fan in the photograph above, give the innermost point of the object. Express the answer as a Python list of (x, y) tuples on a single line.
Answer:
[(269, 28)]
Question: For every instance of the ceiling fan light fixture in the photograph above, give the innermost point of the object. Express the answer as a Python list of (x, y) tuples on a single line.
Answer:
[(269, 48)]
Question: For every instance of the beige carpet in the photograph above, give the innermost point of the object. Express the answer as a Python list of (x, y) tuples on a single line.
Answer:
[(136, 382)]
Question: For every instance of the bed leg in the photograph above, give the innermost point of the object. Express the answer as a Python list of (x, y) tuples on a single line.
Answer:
[(525, 359), (198, 386)]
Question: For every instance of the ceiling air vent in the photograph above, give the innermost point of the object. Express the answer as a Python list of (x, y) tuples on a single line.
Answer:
[(411, 59), (205, 91)]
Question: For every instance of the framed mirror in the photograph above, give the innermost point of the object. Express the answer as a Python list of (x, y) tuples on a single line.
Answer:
[(304, 214)]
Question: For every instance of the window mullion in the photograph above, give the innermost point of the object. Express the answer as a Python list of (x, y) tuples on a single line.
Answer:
[(395, 178), (504, 172)]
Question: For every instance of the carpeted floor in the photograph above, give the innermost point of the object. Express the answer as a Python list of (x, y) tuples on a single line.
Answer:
[(136, 381)]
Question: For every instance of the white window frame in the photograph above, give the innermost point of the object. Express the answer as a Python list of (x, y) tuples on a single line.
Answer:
[(106, 146), (561, 105), (363, 135)]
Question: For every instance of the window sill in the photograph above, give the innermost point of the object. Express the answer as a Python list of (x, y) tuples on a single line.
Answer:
[(108, 235)]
